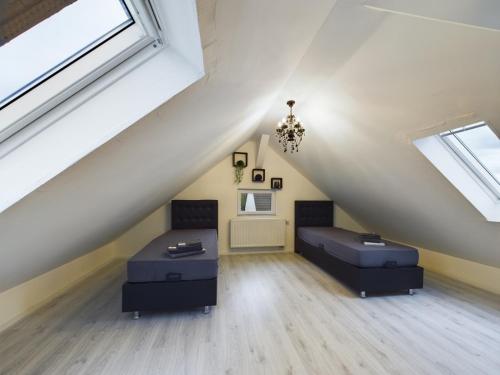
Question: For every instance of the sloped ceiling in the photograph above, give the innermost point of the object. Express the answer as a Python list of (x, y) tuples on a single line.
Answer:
[(368, 81), (363, 80)]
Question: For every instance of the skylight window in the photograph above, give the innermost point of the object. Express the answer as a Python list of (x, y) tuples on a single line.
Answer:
[(56, 42), (479, 149), (469, 158), (50, 50)]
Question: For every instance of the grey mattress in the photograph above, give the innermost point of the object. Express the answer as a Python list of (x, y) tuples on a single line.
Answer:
[(347, 246), (152, 263)]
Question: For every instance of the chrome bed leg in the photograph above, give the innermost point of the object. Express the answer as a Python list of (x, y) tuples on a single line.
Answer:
[(411, 292), (136, 315), (206, 310), (362, 294)]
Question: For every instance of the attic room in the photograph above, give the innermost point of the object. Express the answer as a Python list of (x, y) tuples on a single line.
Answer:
[(249, 187)]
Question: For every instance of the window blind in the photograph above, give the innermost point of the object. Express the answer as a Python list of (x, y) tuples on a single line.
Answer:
[(263, 201)]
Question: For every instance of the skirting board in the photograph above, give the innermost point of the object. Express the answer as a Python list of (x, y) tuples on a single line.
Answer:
[(25, 298), (478, 275)]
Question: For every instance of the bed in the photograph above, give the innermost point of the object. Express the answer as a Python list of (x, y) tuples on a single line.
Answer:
[(365, 269), (156, 282)]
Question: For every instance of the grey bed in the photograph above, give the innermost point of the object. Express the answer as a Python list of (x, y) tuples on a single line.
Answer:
[(365, 269), (347, 246), (152, 263)]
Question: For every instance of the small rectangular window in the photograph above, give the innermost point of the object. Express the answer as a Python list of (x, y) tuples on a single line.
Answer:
[(479, 149), (54, 43), (256, 202)]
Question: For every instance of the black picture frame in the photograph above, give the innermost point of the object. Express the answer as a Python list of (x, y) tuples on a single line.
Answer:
[(258, 175), (276, 183), (237, 156)]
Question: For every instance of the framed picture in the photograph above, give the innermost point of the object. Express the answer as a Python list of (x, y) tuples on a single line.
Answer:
[(276, 183), (258, 175), (240, 157)]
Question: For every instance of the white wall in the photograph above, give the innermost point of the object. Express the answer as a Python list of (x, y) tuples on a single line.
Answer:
[(24, 298), (346, 221), (135, 238), (218, 183), (472, 273)]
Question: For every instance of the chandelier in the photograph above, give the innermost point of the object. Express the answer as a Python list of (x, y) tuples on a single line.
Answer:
[(289, 131)]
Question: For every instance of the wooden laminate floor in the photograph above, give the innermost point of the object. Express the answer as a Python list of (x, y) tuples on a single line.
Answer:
[(277, 314)]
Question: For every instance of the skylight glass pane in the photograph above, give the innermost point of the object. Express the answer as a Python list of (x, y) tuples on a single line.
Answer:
[(479, 147), (485, 145), (56, 42)]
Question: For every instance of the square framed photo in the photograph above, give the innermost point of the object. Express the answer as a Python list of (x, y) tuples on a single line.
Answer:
[(276, 183), (258, 175), (240, 158)]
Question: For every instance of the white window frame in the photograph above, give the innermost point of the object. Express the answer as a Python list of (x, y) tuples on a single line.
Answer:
[(146, 31), (266, 213), (453, 168), (479, 170), (108, 106)]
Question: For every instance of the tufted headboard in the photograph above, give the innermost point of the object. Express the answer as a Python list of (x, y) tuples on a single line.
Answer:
[(313, 214), (194, 214)]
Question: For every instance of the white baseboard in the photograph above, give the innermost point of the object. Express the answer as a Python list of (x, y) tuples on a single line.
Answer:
[(23, 299)]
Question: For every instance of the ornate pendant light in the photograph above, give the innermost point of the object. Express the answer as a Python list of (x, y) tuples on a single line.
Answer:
[(289, 131)]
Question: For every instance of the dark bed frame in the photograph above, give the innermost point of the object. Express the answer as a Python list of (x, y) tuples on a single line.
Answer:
[(362, 280), (170, 295)]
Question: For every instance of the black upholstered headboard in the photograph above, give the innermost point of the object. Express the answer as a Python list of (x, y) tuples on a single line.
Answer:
[(313, 214), (194, 214)]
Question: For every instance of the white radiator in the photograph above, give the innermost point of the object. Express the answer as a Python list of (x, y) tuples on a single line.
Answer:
[(257, 232)]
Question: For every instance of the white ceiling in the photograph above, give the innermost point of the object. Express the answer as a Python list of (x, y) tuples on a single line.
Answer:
[(363, 79)]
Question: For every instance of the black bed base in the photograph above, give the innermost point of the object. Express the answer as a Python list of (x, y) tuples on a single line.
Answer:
[(164, 296), (363, 280)]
